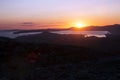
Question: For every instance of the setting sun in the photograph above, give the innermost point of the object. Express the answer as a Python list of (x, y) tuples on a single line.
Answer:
[(79, 25)]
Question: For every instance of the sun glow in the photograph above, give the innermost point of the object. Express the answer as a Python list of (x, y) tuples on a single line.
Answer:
[(79, 25)]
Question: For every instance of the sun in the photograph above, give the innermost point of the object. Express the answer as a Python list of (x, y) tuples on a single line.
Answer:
[(79, 25)]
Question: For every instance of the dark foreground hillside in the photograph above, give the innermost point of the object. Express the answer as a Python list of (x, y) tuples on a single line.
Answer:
[(45, 61)]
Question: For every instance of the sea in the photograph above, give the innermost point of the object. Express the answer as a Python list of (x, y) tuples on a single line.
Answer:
[(11, 34)]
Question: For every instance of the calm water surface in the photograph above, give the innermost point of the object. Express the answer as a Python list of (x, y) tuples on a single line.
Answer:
[(11, 34), (86, 33)]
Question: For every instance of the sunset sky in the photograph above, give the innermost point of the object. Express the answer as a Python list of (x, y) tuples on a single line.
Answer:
[(37, 14)]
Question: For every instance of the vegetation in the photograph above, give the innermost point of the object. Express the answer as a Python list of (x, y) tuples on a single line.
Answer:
[(34, 57)]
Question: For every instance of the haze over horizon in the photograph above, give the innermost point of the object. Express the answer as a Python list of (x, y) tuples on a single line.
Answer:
[(39, 14)]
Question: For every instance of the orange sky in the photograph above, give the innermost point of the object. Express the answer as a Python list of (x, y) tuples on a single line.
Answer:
[(37, 14)]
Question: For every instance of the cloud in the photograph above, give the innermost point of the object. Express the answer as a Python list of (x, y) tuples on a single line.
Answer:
[(36, 25), (28, 24), (49, 25)]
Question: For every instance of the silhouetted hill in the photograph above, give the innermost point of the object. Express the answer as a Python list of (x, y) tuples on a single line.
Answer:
[(47, 37), (37, 30), (103, 44), (114, 29), (49, 56)]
